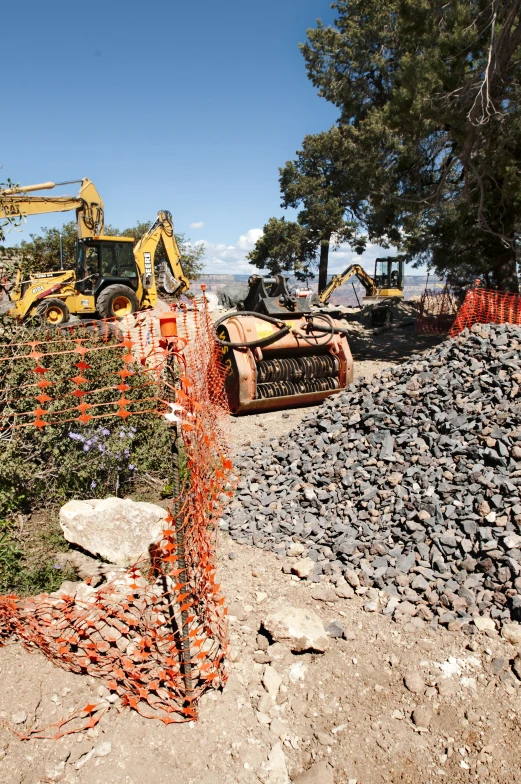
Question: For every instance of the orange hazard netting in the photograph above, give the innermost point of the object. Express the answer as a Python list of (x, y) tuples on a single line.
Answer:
[(155, 633), (437, 310), (482, 306)]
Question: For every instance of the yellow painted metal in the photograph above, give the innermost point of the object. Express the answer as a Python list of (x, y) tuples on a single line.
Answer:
[(88, 205), (80, 303), (122, 306), (54, 315), (390, 293), (144, 253), (354, 270)]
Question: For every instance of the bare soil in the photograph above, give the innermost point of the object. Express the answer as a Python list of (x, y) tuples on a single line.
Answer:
[(349, 705)]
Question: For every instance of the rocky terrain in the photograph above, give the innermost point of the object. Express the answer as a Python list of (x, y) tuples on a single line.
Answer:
[(406, 483), (384, 703)]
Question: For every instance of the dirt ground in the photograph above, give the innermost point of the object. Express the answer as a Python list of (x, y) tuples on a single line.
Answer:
[(349, 705)]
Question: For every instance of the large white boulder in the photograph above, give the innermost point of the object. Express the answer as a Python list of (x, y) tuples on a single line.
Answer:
[(117, 529)]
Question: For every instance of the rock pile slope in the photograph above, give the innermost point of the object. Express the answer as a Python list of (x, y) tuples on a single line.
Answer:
[(409, 482)]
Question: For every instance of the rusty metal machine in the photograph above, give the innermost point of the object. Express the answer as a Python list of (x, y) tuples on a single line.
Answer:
[(278, 353)]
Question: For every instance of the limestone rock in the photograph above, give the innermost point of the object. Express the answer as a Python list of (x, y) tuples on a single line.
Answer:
[(484, 624), (414, 682), (275, 770), (117, 529), (512, 633), (422, 717), (301, 628), (303, 568), (319, 773), (272, 681)]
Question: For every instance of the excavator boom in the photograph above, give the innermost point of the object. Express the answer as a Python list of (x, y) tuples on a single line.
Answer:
[(353, 270), (19, 202), (171, 277)]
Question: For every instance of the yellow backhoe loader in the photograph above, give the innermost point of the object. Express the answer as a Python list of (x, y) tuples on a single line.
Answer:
[(387, 281), (112, 277)]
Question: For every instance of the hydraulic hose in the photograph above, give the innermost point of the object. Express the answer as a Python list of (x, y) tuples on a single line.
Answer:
[(260, 342), (284, 329)]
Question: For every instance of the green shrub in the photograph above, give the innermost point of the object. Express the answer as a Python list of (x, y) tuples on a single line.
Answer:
[(20, 576), (68, 459)]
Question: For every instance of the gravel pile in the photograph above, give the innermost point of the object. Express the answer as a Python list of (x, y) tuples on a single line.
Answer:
[(409, 483)]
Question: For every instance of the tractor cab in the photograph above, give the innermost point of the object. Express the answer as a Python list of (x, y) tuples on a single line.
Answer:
[(103, 261), (388, 276)]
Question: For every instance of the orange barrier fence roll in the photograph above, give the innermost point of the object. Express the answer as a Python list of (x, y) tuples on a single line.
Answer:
[(482, 306), (437, 311), (155, 633)]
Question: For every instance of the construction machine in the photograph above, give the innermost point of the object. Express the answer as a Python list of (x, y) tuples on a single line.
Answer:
[(112, 276), (387, 281), (277, 353)]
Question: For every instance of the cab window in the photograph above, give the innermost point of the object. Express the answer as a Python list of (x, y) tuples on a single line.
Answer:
[(117, 260)]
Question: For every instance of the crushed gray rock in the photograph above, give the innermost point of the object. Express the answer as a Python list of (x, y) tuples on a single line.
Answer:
[(408, 482)]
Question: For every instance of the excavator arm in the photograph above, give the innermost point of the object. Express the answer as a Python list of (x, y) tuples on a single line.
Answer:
[(353, 270), (19, 202), (171, 277)]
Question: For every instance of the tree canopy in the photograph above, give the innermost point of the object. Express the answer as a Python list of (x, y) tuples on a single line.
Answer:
[(428, 140)]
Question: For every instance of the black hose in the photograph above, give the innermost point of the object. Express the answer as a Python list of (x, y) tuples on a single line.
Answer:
[(283, 330)]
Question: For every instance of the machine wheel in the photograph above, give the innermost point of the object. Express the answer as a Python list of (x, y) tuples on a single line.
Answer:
[(53, 312), (117, 301)]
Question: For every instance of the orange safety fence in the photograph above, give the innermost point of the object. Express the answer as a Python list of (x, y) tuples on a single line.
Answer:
[(437, 311), (156, 633), (482, 306)]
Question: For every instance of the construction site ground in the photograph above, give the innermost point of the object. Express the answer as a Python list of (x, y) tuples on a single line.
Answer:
[(349, 705)]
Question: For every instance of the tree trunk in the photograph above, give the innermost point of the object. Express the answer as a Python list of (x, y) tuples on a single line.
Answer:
[(322, 267), (505, 271)]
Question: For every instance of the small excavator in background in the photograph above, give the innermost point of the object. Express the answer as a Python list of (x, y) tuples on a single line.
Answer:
[(387, 281), (112, 277)]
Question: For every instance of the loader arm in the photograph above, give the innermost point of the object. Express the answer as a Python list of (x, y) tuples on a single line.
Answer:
[(353, 270), (145, 250), (19, 202)]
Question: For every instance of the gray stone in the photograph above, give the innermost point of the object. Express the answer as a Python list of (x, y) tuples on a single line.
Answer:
[(335, 629)]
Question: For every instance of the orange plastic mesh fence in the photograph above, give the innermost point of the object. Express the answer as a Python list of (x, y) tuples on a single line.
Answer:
[(437, 311), (482, 306), (156, 633)]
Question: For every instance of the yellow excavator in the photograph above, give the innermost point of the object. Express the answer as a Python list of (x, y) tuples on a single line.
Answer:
[(387, 281), (113, 277)]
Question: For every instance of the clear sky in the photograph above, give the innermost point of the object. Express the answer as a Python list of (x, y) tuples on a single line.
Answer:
[(186, 106)]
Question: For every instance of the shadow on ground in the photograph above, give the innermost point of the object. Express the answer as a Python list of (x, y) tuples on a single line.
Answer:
[(394, 345)]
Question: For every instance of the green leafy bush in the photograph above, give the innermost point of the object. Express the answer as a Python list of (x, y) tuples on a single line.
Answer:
[(68, 459)]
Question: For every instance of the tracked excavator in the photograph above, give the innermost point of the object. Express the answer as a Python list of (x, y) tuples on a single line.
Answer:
[(112, 276), (387, 281)]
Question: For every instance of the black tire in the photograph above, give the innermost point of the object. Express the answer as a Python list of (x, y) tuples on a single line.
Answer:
[(117, 301), (53, 312)]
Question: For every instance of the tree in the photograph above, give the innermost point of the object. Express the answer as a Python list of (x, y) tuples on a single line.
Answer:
[(285, 246), (42, 252), (428, 94), (318, 182)]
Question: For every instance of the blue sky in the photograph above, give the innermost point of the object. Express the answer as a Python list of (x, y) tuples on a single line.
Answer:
[(185, 106)]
